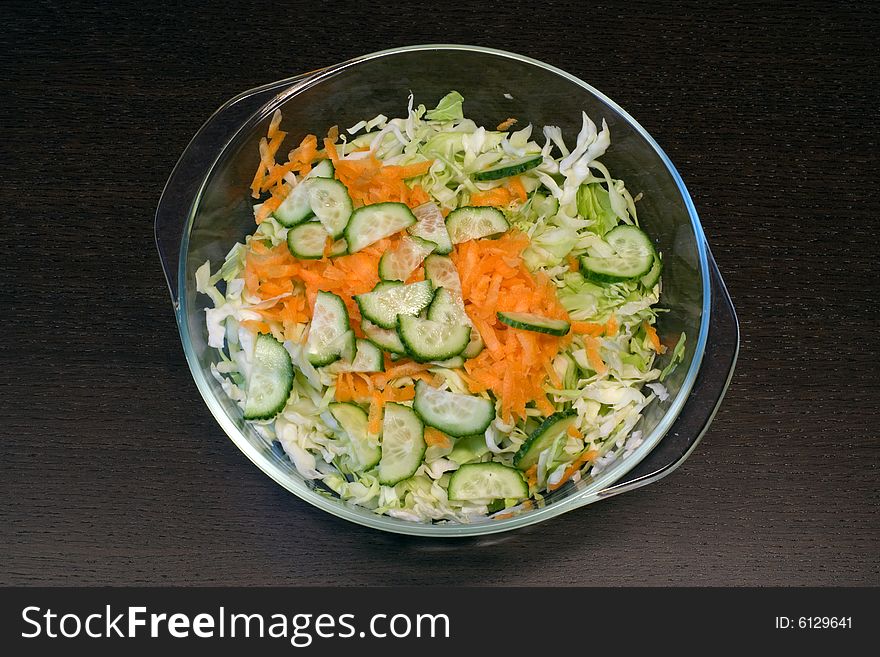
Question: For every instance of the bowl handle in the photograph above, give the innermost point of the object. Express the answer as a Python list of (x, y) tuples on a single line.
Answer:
[(194, 164), (716, 370)]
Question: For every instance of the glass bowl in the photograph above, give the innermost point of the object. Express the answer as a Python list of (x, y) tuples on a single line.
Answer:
[(206, 207)]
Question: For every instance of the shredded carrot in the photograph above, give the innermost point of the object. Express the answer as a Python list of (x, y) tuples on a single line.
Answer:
[(574, 467), (591, 345), (274, 123), (532, 476), (434, 437), (515, 365), (498, 196), (369, 181), (374, 423), (504, 125), (588, 328), (573, 432), (611, 326), (573, 264), (654, 338), (516, 189)]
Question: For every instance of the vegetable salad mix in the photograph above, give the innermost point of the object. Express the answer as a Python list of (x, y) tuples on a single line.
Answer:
[(440, 321)]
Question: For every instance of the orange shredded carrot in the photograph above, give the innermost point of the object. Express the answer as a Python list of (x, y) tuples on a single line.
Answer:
[(434, 437), (654, 338), (532, 476), (611, 326), (591, 346), (504, 125), (274, 123), (573, 432), (588, 328), (516, 189), (573, 264), (374, 422), (574, 467), (498, 196), (515, 365)]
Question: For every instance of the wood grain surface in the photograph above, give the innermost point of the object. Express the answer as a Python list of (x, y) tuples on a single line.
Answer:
[(112, 470)]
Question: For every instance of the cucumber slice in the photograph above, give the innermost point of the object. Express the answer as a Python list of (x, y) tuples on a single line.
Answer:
[(426, 340), (452, 413), (447, 307), (323, 169), (403, 444), (338, 248), (354, 420), (294, 209), (431, 226), (386, 339), (328, 339), (542, 438), (441, 271), (307, 241), (542, 205), (270, 380), (398, 265), (473, 223), (331, 203), (469, 448), (510, 168), (367, 358), (382, 306), (487, 481), (650, 279), (536, 323), (631, 255), (372, 223)]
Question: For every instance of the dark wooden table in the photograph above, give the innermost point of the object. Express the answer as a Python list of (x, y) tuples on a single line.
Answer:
[(113, 471)]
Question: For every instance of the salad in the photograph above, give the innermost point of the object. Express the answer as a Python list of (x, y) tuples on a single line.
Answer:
[(439, 321)]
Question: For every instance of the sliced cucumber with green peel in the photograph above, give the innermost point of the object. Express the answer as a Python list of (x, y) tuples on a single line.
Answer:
[(382, 306), (328, 338), (354, 422), (468, 448), (399, 264), (385, 339), (535, 323), (451, 412), (403, 444), (630, 255), (441, 271), (431, 226), (338, 248), (372, 223), (543, 205), (510, 168), (331, 203), (543, 437), (473, 223), (295, 208), (426, 340), (270, 380), (367, 358), (307, 241), (650, 279), (323, 169), (487, 481), (447, 307)]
